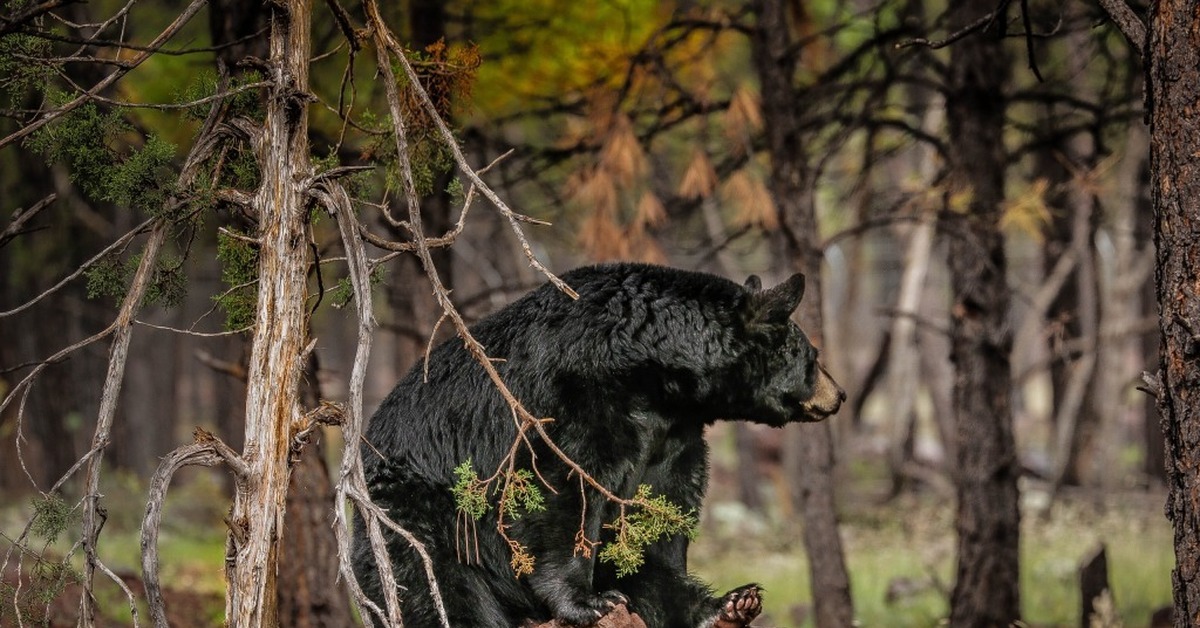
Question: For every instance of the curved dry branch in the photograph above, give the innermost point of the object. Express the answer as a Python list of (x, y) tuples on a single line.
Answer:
[(198, 453), (133, 609), (442, 241), (118, 355)]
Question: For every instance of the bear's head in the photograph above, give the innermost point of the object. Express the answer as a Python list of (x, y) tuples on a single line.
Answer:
[(786, 378)]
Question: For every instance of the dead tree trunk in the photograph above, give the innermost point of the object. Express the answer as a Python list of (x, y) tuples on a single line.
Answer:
[(276, 359), (986, 589), (809, 448)]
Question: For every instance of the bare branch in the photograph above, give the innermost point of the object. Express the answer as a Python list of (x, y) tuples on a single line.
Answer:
[(119, 243), (198, 334), (124, 587), (12, 23), (183, 18), (118, 354), (352, 480), (22, 216), (982, 23), (385, 41), (1153, 384), (441, 241), (178, 105), (1127, 22)]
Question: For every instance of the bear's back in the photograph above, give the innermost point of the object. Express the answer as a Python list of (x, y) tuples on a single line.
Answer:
[(625, 313)]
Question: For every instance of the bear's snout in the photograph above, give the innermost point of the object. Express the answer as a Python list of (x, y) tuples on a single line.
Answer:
[(827, 397)]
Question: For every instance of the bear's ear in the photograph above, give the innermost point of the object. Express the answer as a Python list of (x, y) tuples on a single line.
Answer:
[(753, 284), (778, 303)]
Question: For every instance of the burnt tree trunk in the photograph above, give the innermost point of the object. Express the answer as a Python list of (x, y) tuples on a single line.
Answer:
[(988, 520), (809, 447), (1173, 69)]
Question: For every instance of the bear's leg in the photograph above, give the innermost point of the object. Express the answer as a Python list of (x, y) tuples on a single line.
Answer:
[(666, 596), (562, 577), (662, 592)]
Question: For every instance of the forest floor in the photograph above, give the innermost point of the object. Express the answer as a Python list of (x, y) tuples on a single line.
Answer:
[(900, 555)]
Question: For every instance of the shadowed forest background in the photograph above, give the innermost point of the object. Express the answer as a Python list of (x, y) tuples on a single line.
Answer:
[(967, 185)]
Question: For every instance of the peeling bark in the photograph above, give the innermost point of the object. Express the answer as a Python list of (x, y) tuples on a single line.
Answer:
[(276, 359)]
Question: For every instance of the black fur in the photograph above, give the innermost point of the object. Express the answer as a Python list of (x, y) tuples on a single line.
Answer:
[(631, 372)]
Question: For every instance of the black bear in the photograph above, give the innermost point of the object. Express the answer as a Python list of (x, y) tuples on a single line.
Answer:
[(631, 372)]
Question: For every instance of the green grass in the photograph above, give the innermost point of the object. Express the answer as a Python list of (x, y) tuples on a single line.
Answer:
[(910, 541), (190, 545), (913, 540)]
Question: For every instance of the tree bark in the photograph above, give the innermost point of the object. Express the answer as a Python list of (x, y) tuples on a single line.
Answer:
[(1173, 69), (272, 395), (808, 448), (986, 589)]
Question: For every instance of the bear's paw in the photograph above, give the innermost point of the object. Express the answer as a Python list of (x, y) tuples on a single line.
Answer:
[(589, 611), (739, 607)]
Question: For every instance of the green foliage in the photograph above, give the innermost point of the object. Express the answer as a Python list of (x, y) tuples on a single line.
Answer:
[(110, 277), (343, 293), (21, 65), (146, 179), (470, 493), (428, 159), (168, 285), (239, 270), (85, 140), (48, 579), (654, 517), (51, 517), (241, 169), (81, 139), (521, 494), (107, 277), (458, 195)]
